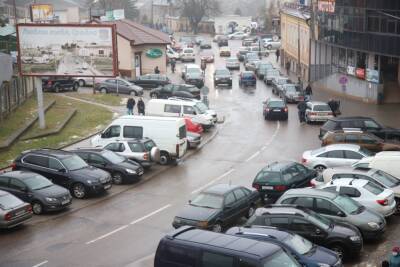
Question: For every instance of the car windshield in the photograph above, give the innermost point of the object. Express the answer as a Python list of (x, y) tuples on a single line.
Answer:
[(74, 162), (347, 204), (366, 152), (282, 81), (276, 104), (291, 88), (269, 177), (9, 201), (298, 243), (211, 201), (280, 259), (148, 145), (201, 107), (385, 178), (247, 74), (222, 72), (322, 108), (113, 157), (319, 220), (193, 70), (37, 182)]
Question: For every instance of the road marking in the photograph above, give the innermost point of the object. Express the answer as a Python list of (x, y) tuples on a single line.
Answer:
[(40, 264), (106, 235), (252, 156), (274, 135), (150, 214), (213, 181), (141, 260)]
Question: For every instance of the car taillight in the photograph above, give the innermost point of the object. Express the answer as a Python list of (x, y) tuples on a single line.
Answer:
[(382, 202), (49, 82), (280, 187), (146, 156), (330, 113), (285, 109), (13, 166), (303, 160), (7, 216), (29, 208), (267, 109), (256, 186), (312, 113), (312, 184)]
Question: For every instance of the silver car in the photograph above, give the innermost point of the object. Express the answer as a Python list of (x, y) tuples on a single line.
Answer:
[(318, 112), (232, 63), (13, 211), (334, 156)]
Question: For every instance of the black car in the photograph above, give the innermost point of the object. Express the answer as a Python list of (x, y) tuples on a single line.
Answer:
[(222, 76), (193, 76), (65, 169), (151, 80), (365, 124), (344, 239), (35, 189), (278, 177), (58, 84), (217, 207), (275, 108), (223, 41), (121, 169), (278, 82), (178, 90), (205, 45)]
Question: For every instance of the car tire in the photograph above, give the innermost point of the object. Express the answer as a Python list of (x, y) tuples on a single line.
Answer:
[(339, 249), (75, 87), (164, 158), (57, 88), (251, 210), (217, 227), (103, 90), (269, 47), (117, 178), (319, 168), (78, 190), (37, 207), (82, 83), (153, 95), (397, 209)]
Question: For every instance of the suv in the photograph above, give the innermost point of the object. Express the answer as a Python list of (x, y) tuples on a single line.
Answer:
[(66, 169), (192, 74), (276, 178), (344, 239), (339, 208), (58, 84), (188, 246), (365, 124), (120, 168)]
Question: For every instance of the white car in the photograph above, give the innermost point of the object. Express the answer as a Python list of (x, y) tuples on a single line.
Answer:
[(334, 156), (187, 54), (271, 44), (387, 161), (171, 54), (366, 193), (318, 112), (200, 106), (238, 35), (232, 63)]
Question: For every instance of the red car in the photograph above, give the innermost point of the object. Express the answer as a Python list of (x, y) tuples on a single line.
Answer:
[(192, 126)]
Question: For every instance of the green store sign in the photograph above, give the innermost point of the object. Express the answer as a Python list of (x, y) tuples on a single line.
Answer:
[(154, 53)]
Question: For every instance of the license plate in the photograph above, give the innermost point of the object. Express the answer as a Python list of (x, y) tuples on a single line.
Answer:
[(277, 110), (21, 212), (108, 186), (64, 202), (265, 187)]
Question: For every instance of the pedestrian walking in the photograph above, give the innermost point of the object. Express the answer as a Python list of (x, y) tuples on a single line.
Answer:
[(156, 70), (277, 53), (334, 105), (173, 64), (141, 106), (287, 66), (394, 260), (130, 104), (203, 65), (308, 92), (302, 106)]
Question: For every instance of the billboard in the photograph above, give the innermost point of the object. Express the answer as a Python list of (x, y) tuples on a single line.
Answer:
[(67, 50), (42, 12), (326, 6)]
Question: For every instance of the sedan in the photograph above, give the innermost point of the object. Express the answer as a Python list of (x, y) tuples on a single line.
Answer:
[(271, 44), (218, 207), (232, 63), (242, 53), (275, 108), (222, 76), (225, 51), (318, 112), (176, 90), (268, 75), (118, 86), (252, 65), (121, 168), (238, 35), (13, 211), (277, 83), (247, 78), (151, 80), (207, 56), (205, 45), (291, 93)]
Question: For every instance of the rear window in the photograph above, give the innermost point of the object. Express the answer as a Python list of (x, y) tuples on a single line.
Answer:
[(276, 104), (188, 51), (373, 188), (9, 201), (247, 74), (322, 108), (269, 177), (182, 132), (329, 125)]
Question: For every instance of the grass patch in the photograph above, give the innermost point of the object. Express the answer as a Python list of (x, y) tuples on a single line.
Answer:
[(106, 99), (87, 120)]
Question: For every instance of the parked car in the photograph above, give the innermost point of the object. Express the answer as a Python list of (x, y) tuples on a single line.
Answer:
[(365, 124), (188, 246), (250, 56), (271, 44), (188, 54), (274, 108), (205, 45), (178, 90), (363, 139), (58, 84), (267, 74), (13, 211), (66, 169), (217, 207), (318, 112), (238, 35), (248, 42), (307, 253), (118, 85), (242, 53), (192, 74), (336, 207), (345, 239), (247, 78), (291, 93), (151, 80), (87, 81), (222, 76), (35, 189), (278, 177), (232, 63), (207, 56), (122, 169), (386, 161), (193, 140), (252, 65), (333, 156), (193, 127), (203, 108), (277, 83), (225, 51), (367, 193), (222, 41)]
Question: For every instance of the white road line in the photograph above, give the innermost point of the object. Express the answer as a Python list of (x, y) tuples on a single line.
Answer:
[(252, 156), (106, 235), (213, 181), (40, 264), (150, 214), (274, 135)]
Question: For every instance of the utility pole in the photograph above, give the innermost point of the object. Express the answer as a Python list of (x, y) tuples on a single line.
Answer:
[(15, 12), (152, 13)]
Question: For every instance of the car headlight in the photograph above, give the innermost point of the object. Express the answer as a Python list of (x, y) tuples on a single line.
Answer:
[(355, 238), (217, 78), (323, 264), (202, 224), (51, 199), (93, 181), (373, 225), (130, 171)]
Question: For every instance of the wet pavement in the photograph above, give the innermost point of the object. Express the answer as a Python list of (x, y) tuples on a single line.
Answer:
[(124, 230)]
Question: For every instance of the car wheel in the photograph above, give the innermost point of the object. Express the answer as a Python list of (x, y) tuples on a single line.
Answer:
[(57, 88), (117, 178), (133, 93), (251, 211), (397, 206), (154, 95), (78, 190), (319, 168), (82, 83), (339, 249), (164, 158), (103, 90), (37, 207), (269, 47), (217, 227), (75, 87)]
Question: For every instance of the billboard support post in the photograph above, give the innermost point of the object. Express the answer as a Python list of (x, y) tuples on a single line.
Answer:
[(94, 88), (39, 94)]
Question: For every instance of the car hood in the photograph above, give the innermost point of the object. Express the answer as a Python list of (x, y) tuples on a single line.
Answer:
[(191, 212), (368, 215), (52, 191), (194, 76), (222, 76), (90, 173), (344, 229), (128, 165), (323, 255)]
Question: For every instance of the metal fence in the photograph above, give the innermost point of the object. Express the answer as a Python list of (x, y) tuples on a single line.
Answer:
[(13, 94)]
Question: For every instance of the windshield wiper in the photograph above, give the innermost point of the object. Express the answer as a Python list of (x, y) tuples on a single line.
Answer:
[(207, 207), (46, 186)]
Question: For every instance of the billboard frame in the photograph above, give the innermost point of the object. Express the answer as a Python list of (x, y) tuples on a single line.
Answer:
[(113, 28), (31, 11)]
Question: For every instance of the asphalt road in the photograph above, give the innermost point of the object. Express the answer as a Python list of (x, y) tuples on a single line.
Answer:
[(124, 230), (73, 64)]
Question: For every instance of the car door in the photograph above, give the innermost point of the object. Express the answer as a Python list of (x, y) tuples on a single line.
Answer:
[(4, 183), (58, 174), (352, 157), (19, 189), (231, 210), (166, 91), (242, 201), (370, 143), (123, 87), (373, 127), (137, 151), (111, 85), (308, 230), (98, 161), (304, 176), (110, 134), (336, 158), (328, 209)]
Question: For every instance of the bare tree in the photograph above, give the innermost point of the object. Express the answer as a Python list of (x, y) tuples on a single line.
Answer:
[(129, 6), (196, 10), (271, 12)]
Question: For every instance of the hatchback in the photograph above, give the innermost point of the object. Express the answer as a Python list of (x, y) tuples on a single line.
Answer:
[(118, 86), (275, 109), (247, 78), (13, 211)]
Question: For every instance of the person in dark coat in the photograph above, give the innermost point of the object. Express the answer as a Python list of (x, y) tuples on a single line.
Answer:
[(302, 106), (130, 104), (334, 106), (308, 92), (156, 70), (277, 53), (141, 106)]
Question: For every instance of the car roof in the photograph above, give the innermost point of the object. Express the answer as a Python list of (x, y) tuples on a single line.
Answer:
[(247, 72), (278, 166), (19, 174), (220, 189), (280, 209), (349, 182), (208, 238), (332, 171), (273, 232), (50, 152), (94, 149), (314, 103), (342, 146), (4, 193), (350, 118), (311, 192)]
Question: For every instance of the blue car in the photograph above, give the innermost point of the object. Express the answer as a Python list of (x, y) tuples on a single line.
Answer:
[(247, 78), (307, 253)]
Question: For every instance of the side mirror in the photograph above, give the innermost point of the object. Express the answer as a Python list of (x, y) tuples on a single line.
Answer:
[(62, 170), (228, 207), (340, 214), (318, 231)]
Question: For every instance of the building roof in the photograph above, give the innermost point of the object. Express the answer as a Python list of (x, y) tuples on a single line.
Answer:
[(138, 34)]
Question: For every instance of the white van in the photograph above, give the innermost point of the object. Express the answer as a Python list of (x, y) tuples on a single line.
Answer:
[(179, 108), (387, 161), (168, 133)]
